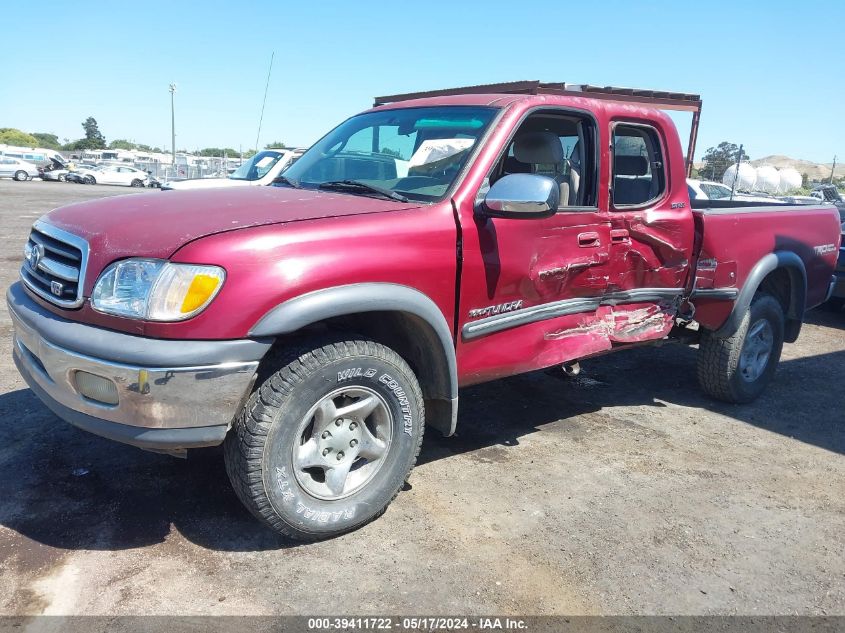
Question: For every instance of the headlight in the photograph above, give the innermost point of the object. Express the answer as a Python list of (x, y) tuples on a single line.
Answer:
[(156, 290)]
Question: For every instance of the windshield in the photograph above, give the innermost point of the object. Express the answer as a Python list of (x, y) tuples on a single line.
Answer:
[(257, 166), (414, 152)]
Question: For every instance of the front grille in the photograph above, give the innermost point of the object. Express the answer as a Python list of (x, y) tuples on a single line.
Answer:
[(54, 265)]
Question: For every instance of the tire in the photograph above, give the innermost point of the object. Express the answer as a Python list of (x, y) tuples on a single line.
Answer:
[(89, 180), (738, 368), (282, 450), (61, 178), (137, 183), (21, 175)]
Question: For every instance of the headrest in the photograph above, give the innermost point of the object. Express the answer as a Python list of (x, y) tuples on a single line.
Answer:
[(538, 148), (630, 165)]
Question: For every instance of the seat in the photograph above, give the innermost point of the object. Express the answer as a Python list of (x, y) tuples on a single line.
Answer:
[(630, 186), (539, 150)]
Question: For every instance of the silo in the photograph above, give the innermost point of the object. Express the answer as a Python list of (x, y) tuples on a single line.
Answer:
[(745, 178)]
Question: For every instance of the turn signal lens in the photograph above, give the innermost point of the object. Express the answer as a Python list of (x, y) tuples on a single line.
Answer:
[(202, 288)]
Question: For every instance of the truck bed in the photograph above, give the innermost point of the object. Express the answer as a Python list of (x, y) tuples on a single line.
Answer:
[(736, 235)]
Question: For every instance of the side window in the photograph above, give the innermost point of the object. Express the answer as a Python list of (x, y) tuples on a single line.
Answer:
[(560, 146), (639, 175)]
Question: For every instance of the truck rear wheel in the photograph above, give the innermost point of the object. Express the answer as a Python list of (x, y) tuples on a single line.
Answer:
[(738, 368), (326, 442)]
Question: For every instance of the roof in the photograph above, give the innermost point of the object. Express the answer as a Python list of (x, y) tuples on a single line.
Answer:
[(490, 94)]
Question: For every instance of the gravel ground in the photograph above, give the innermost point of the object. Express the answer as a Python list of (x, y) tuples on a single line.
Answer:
[(624, 491)]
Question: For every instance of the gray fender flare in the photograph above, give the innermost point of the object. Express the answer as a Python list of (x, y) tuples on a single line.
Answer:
[(299, 312), (797, 300)]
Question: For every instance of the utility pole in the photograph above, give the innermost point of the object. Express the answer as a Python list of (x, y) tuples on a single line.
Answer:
[(173, 125), (736, 174), (830, 180)]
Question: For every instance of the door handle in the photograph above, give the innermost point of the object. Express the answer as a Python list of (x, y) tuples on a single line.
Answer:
[(588, 240), (619, 236)]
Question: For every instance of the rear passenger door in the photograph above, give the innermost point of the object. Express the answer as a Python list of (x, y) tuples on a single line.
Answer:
[(651, 231)]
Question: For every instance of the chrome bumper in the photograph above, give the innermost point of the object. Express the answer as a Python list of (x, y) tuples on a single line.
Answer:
[(150, 396)]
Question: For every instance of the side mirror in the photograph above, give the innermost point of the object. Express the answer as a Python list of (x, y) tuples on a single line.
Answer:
[(522, 196)]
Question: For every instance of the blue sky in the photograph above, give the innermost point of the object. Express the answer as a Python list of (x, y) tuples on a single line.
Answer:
[(771, 75)]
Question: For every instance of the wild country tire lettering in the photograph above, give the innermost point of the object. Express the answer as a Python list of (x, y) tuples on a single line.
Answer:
[(390, 383)]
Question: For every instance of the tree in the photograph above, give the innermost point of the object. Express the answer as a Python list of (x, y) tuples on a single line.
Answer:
[(805, 180), (13, 136), (218, 152), (120, 143), (718, 159), (391, 152), (275, 145), (94, 139), (50, 141)]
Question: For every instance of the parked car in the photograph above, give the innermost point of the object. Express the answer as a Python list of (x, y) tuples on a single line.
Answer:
[(77, 172), (261, 169), (708, 190), (314, 327), (56, 170), (17, 169), (830, 194), (114, 175)]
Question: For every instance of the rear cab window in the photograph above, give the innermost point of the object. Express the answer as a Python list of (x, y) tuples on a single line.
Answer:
[(639, 171)]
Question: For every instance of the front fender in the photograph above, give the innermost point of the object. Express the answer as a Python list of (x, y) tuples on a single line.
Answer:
[(294, 314)]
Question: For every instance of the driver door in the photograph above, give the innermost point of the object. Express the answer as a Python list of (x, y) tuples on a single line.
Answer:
[(107, 176), (530, 288)]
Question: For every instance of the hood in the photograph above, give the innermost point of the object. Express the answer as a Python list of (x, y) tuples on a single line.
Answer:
[(207, 183), (156, 224)]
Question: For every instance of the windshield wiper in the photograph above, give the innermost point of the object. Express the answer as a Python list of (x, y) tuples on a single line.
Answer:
[(284, 180), (357, 185)]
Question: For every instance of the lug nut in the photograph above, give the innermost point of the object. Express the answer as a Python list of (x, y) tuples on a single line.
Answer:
[(326, 451), (353, 443), (353, 426), (340, 456), (326, 435), (338, 422)]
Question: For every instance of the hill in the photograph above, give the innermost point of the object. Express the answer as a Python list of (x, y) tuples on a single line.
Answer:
[(816, 171)]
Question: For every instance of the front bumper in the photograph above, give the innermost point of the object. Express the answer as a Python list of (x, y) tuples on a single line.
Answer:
[(171, 395)]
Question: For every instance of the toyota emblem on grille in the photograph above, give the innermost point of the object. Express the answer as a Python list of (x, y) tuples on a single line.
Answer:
[(33, 255)]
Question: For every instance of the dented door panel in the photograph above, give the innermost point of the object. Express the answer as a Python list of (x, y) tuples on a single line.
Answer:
[(655, 246), (513, 265)]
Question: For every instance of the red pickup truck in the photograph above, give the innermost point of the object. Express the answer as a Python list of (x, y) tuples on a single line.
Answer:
[(315, 326)]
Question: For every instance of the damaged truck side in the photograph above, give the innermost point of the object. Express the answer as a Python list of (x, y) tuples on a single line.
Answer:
[(314, 327)]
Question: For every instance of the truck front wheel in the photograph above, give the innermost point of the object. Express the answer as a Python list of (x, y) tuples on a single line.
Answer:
[(738, 368), (326, 442)]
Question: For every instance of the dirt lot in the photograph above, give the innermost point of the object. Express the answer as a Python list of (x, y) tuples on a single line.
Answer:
[(625, 491)]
